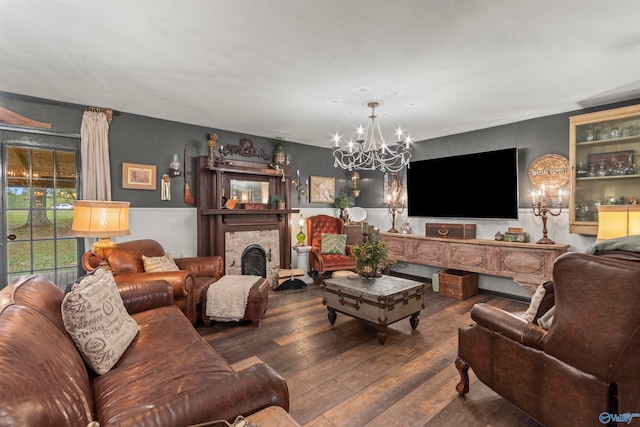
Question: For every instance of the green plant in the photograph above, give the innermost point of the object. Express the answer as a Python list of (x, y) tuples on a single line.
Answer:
[(341, 201), (279, 142), (276, 198), (370, 253)]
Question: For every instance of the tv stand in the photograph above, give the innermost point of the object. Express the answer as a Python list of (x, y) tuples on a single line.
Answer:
[(529, 264)]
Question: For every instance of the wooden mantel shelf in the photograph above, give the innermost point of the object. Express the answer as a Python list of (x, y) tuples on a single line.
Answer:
[(248, 211), (529, 264)]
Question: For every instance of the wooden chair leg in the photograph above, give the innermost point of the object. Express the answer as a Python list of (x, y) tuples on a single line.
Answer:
[(463, 386)]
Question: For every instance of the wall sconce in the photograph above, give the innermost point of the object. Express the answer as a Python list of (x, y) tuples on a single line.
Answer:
[(303, 190), (174, 166), (355, 181)]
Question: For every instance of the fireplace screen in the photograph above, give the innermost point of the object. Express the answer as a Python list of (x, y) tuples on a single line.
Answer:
[(254, 261)]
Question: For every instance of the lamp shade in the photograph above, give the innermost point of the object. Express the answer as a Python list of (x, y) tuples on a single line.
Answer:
[(94, 218)]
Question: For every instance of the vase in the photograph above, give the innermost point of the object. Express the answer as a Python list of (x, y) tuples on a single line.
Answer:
[(368, 271), (279, 156)]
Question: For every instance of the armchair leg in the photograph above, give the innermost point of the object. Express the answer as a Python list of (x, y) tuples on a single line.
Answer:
[(463, 386)]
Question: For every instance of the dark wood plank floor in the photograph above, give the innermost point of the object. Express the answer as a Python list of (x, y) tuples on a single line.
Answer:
[(338, 375)]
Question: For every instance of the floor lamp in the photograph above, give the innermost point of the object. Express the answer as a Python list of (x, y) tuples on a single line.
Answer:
[(101, 219)]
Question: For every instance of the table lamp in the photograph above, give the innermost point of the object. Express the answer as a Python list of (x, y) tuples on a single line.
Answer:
[(101, 219)]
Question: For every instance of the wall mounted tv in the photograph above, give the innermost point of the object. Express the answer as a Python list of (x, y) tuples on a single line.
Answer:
[(480, 185)]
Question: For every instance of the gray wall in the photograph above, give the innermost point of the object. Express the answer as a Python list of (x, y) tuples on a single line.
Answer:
[(140, 139)]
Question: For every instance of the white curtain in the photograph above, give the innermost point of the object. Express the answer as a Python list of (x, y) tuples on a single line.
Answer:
[(94, 151)]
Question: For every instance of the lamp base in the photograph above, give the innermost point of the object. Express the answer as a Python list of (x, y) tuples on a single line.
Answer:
[(545, 241), (393, 230), (102, 249)]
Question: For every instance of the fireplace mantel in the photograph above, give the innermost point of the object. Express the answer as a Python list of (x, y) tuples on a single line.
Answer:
[(214, 222)]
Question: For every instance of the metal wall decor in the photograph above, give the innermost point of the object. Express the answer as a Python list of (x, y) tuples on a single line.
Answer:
[(244, 148)]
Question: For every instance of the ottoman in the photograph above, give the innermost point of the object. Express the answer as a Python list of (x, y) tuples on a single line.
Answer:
[(257, 301)]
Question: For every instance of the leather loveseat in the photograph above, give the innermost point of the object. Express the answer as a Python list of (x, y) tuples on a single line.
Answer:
[(583, 370), (168, 376), (195, 274)]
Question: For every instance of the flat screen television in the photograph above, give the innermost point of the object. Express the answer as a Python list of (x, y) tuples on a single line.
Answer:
[(480, 185)]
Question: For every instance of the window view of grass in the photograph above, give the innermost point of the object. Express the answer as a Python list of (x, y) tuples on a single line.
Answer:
[(34, 245)]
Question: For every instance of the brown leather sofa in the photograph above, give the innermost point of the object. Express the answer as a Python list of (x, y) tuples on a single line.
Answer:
[(168, 376), (320, 263), (585, 366), (195, 274)]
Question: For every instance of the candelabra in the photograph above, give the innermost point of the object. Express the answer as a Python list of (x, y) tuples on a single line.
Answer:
[(394, 202), (541, 209)]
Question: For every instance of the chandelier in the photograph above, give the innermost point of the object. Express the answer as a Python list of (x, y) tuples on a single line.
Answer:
[(369, 151)]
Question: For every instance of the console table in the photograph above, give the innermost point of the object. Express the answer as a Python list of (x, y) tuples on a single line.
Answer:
[(529, 264)]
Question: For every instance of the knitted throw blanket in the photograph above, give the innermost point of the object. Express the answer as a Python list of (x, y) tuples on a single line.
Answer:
[(628, 243), (227, 298)]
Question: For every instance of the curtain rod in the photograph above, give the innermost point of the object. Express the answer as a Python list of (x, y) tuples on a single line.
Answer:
[(108, 111)]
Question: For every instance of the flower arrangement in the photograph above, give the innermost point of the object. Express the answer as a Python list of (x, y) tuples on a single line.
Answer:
[(370, 257)]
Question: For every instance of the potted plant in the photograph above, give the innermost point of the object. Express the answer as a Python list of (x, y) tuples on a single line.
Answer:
[(277, 202), (279, 155), (370, 257), (341, 202)]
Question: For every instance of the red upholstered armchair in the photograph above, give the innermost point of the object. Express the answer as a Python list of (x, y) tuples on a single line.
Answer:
[(195, 273), (319, 263)]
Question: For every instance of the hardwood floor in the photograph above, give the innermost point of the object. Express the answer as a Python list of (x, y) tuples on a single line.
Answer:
[(338, 375)]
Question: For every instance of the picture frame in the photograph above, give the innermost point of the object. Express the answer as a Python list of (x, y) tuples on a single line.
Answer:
[(138, 177), (322, 189)]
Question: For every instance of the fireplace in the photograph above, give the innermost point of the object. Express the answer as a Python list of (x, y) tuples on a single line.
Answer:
[(255, 252), (228, 232), (254, 261)]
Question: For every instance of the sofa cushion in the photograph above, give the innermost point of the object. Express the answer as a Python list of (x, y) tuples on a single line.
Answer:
[(541, 302), (333, 244), (159, 263), (97, 321)]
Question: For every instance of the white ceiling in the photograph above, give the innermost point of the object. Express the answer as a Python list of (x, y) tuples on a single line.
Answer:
[(302, 69)]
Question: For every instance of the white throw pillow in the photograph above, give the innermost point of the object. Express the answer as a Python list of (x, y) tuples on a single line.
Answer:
[(96, 319), (159, 263), (547, 319), (536, 299)]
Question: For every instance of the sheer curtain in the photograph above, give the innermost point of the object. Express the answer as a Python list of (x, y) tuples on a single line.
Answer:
[(94, 151)]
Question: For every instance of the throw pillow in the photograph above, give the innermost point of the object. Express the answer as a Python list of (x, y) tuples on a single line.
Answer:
[(333, 244), (96, 319), (546, 320), (159, 263), (543, 299)]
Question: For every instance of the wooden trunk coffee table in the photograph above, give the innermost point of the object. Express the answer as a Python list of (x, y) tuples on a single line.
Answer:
[(380, 301)]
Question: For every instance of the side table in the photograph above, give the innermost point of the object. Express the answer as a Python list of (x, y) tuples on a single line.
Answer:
[(303, 262)]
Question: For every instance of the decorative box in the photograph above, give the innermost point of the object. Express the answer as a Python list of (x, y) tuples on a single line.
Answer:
[(458, 284), (522, 237), (451, 231)]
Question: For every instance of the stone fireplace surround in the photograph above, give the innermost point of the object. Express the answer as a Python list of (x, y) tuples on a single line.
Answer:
[(237, 242)]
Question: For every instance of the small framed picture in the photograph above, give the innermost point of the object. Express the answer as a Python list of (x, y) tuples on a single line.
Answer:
[(322, 189), (138, 177)]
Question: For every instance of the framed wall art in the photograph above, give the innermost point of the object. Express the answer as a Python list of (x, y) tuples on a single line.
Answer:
[(322, 189), (138, 177)]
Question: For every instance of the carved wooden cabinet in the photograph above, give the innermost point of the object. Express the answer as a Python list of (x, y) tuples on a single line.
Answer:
[(603, 155), (529, 264)]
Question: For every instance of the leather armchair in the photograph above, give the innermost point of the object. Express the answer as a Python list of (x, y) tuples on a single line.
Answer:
[(316, 225), (194, 275), (584, 365)]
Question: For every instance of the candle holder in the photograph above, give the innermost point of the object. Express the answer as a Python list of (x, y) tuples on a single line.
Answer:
[(542, 210), (395, 204)]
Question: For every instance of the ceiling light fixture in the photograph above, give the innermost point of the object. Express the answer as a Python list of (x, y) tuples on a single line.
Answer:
[(369, 151)]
